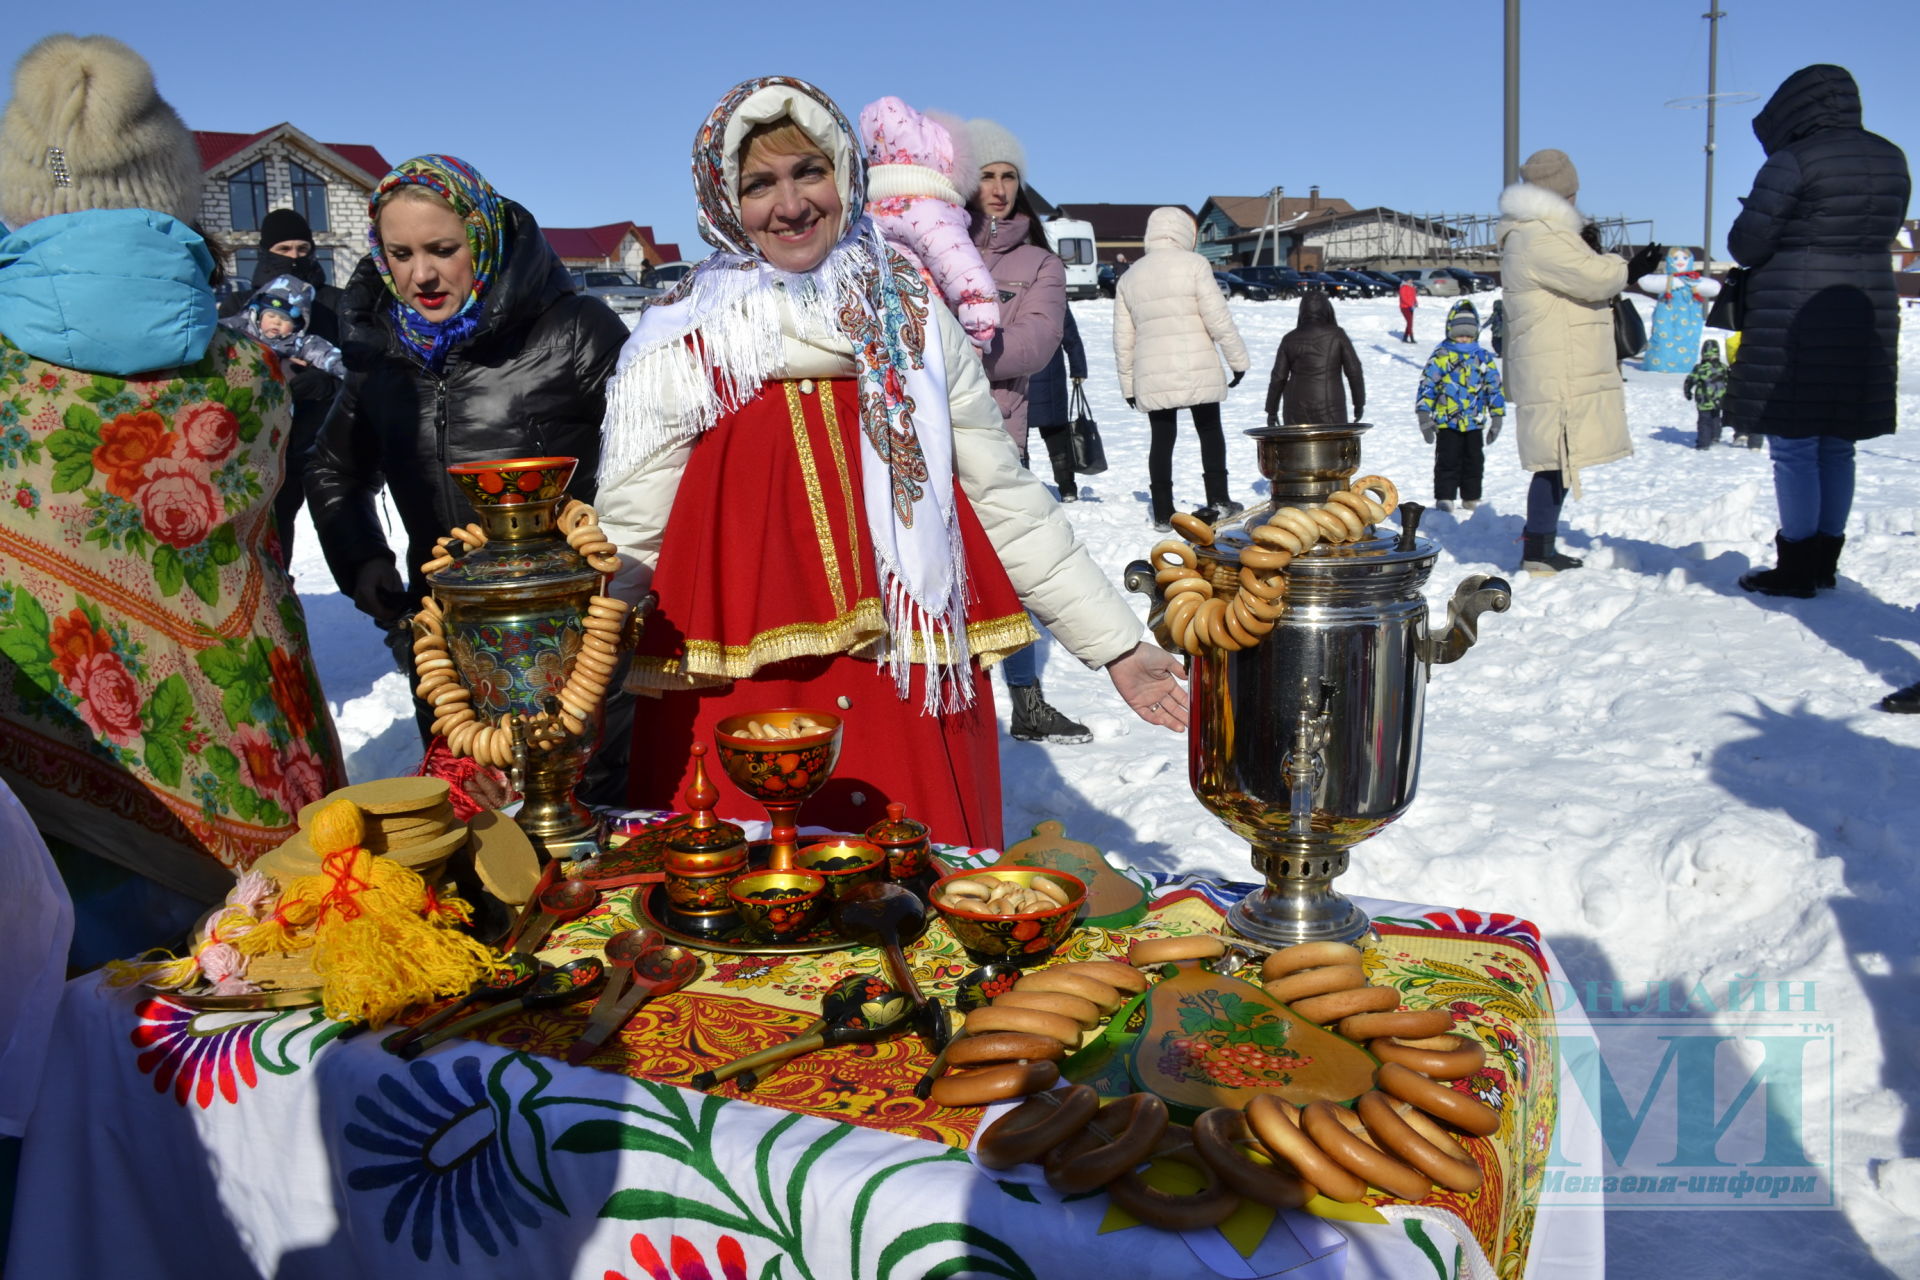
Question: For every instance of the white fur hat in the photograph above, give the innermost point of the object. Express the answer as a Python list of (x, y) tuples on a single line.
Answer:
[(86, 129), (993, 143)]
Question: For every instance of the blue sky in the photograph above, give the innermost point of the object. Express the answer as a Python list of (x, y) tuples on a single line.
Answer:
[(586, 115)]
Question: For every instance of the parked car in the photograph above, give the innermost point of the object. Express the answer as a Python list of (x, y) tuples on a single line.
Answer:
[(1468, 282), (1431, 280), (1284, 281), (617, 288), (1487, 283), (1332, 286), (668, 274), (1233, 285), (1367, 285), (1389, 284)]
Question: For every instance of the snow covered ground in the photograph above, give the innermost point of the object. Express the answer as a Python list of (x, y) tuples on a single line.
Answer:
[(1680, 783)]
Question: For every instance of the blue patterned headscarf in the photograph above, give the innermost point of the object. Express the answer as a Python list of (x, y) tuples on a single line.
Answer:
[(481, 212)]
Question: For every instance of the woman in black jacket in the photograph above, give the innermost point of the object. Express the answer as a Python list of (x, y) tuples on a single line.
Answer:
[(1818, 342), (464, 341), (1050, 405), (1308, 366)]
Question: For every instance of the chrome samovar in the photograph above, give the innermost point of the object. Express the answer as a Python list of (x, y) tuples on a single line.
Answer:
[(1309, 742)]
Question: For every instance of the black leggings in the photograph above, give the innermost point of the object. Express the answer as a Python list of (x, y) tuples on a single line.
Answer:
[(1544, 498), (1213, 456), (1059, 441)]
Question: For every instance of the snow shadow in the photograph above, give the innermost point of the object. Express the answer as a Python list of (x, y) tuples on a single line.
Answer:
[(1045, 794), (346, 645), (1391, 354), (1854, 795), (1675, 435)]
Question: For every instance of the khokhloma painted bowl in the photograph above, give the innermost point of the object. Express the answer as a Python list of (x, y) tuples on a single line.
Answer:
[(1021, 936)]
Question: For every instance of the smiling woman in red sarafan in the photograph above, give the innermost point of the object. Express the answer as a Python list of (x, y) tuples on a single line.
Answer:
[(804, 462)]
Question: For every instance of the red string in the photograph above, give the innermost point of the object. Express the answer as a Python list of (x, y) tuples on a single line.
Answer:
[(340, 897)]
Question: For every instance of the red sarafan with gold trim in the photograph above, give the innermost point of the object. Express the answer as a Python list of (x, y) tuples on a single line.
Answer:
[(511, 481)]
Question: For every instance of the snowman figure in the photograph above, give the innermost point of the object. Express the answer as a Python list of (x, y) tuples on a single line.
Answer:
[(1674, 346)]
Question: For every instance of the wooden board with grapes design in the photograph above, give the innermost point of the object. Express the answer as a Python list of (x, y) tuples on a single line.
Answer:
[(1200, 1040)]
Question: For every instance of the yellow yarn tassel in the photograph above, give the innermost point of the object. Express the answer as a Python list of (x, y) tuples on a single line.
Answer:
[(169, 974), (380, 936)]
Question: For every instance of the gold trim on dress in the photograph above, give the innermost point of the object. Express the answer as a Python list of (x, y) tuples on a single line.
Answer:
[(830, 415), (816, 501)]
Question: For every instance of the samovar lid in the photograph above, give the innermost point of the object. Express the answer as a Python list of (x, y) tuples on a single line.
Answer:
[(503, 566)]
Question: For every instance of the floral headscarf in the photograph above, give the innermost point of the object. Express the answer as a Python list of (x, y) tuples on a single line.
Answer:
[(480, 211), (705, 351)]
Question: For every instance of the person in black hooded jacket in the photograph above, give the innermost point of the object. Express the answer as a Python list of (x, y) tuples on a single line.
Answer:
[(1308, 366), (285, 248), (464, 341), (1818, 347)]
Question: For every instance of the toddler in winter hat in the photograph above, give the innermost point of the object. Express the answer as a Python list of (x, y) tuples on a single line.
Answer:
[(86, 129), (276, 318), (1463, 322), (918, 181)]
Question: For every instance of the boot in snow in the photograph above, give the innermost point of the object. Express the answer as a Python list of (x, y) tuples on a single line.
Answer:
[(1826, 559), (1793, 573), (1904, 701), (1215, 512), (1538, 556), (1036, 721)]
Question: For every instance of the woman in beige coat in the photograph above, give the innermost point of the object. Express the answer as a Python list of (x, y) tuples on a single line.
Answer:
[(1562, 382), (1168, 317)]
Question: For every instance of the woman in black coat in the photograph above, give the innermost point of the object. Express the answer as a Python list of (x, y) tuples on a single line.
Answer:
[(464, 342), (513, 368), (1308, 367), (1050, 406), (1818, 339)]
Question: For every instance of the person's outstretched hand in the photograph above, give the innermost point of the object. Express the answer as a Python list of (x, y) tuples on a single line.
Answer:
[(1648, 259), (1148, 677)]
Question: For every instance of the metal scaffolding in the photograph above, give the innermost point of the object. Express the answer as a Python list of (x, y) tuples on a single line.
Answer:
[(1391, 239)]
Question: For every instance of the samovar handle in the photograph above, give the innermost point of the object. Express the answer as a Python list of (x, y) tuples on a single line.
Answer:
[(1473, 597)]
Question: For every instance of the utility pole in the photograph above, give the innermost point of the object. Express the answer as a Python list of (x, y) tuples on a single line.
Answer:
[(1713, 17), (1511, 166)]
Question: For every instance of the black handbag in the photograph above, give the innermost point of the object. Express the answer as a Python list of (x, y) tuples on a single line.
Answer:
[(1629, 330), (1089, 455), (1729, 310)]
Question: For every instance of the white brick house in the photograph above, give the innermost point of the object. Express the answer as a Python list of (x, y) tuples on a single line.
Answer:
[(282, 168)]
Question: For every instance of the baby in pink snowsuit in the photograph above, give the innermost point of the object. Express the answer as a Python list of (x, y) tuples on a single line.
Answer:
[(918, 181)]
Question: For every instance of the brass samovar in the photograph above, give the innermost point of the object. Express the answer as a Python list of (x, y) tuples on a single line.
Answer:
[(1308, 742)]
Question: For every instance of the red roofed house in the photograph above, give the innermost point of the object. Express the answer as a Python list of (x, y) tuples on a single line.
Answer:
[(626, 245), (282, 168)]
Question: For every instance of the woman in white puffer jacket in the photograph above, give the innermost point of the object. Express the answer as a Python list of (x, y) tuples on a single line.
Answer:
[(1168, 318)]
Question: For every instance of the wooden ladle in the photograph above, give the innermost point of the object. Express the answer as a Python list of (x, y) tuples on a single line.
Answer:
[(886, 911), (860, 1008)]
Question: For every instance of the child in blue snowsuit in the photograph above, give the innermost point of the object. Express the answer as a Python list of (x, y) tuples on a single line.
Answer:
[(1459, 394)]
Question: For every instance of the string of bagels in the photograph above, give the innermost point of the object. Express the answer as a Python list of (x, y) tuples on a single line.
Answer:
[(1398, 1138), (586, 683), (1223, 612)]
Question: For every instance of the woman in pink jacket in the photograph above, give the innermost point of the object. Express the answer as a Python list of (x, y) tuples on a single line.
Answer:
[(1033, 306)]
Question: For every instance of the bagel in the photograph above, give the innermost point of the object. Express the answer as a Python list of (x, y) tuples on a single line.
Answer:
[(1115, 973), (1192, 528), (1092, 1158), (1036, 1126), (1220, 1136), (1084, 1012), (1273, 1122), (1190, 584), (1381, 487), (1322, 1123), (1197, 946), (1265, 559), (1366, 509), (1279, 537), (1307, 955), (1296, 519), (1461, 1110), (1003, 1046), (1316, 982), (982, 1085), (1353, 528), (1210, 624), (1037, 1022), (1331, 1008), (1269, 588), (1179, 616), (1213, 1204), (1241, 614), (1172, 552), (1072, 984), (1445, 1057), (1362, 1027), (1230, 622), (1332, 527), (1393, 1126), (1265, 608)]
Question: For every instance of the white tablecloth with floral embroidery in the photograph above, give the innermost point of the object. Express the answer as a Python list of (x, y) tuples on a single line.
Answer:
[(168, 1143)]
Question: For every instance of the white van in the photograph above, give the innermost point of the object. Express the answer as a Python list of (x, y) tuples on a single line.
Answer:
[(1073, 241)]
